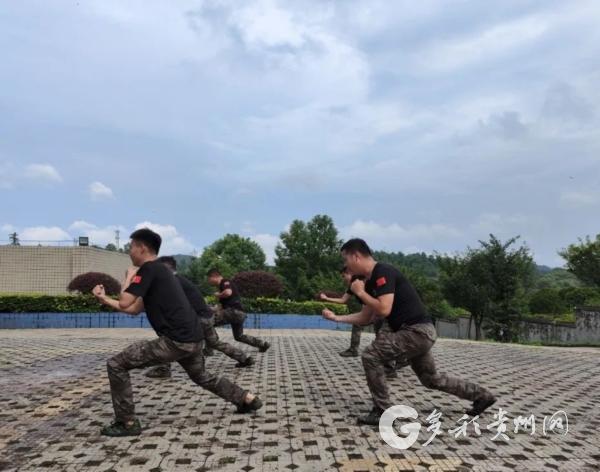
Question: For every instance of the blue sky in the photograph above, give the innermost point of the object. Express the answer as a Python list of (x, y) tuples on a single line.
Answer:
[(419, 126)]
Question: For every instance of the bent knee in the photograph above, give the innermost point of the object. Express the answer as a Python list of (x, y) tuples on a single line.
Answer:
[(369, 356), (113, 364)]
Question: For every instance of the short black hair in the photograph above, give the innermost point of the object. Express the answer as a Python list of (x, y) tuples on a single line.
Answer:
[(355, 245), (168, 260), (213, 271), (148, 238)]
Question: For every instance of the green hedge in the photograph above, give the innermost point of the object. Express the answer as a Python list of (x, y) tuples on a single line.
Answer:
[(27, 303)]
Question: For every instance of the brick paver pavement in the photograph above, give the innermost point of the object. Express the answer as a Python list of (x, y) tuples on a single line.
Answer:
[(54, 396)]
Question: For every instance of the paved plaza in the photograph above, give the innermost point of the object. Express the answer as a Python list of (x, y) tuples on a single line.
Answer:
[(55, 398)]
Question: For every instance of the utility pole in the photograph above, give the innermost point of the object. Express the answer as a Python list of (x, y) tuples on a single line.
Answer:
[(14, 239), (117, 238)]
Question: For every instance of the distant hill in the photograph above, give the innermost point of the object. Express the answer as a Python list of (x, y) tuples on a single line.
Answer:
[(543, 269), (183, 261), (555, 278)]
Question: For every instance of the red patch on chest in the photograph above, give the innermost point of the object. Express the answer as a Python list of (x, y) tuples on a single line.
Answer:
[(137, 279), (380, 281)]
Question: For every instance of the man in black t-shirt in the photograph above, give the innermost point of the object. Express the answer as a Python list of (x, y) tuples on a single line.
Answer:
[(206, 320), (231, 310), (150, 285), (407, 334), (352, 351)]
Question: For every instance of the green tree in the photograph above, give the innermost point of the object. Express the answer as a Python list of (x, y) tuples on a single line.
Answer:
[(547, 301), (308, 257), (556, 278), (490, 282), (111, 247), (231, 254), (583, 260), (419, 263), (578, 296)]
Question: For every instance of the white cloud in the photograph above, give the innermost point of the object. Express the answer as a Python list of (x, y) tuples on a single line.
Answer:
[(172, 241), (267, 242), (40, 234), (490, 222), (97, 235), (396, 237), (264, 23), (485, 45), (42, 172), (99, 191), (578, 199)]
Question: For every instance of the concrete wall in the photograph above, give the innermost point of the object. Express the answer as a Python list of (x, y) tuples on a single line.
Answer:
[(585, 330), (48, 270)]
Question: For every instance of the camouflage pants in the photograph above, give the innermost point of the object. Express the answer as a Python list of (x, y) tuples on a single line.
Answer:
[(236, 319), (357, 331), (213, 342), (160, 351), (355, 337), (389, 366), (411, 344)]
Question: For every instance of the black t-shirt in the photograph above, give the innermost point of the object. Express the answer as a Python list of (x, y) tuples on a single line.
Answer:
[(350, 292), (168, 309), (234, 300), (407, 308), (195, 297)]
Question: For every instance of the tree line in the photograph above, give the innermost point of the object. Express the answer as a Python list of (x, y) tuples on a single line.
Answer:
[(496, 281)]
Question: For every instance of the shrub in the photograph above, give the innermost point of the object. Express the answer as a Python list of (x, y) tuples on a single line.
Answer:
[(578, 296), (273, 305), (547, 300), (27, 303), (258, 283), (84, 283)]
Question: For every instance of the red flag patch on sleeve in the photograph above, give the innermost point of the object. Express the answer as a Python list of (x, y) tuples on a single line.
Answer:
[(137, 279), (380, 281)]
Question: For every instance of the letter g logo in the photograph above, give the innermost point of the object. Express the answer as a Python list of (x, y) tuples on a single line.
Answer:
[(386, 426)]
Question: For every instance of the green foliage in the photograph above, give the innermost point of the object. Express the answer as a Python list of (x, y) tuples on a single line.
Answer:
[(31, 303), (308, 257), (548, 301), (583, 260), (275, 305), (556, 278), (258, 283), (28, 303), (231, 254), (593, 301), (490, 282), (550, 318), (418, 263), (578, 296), (111, 247)]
